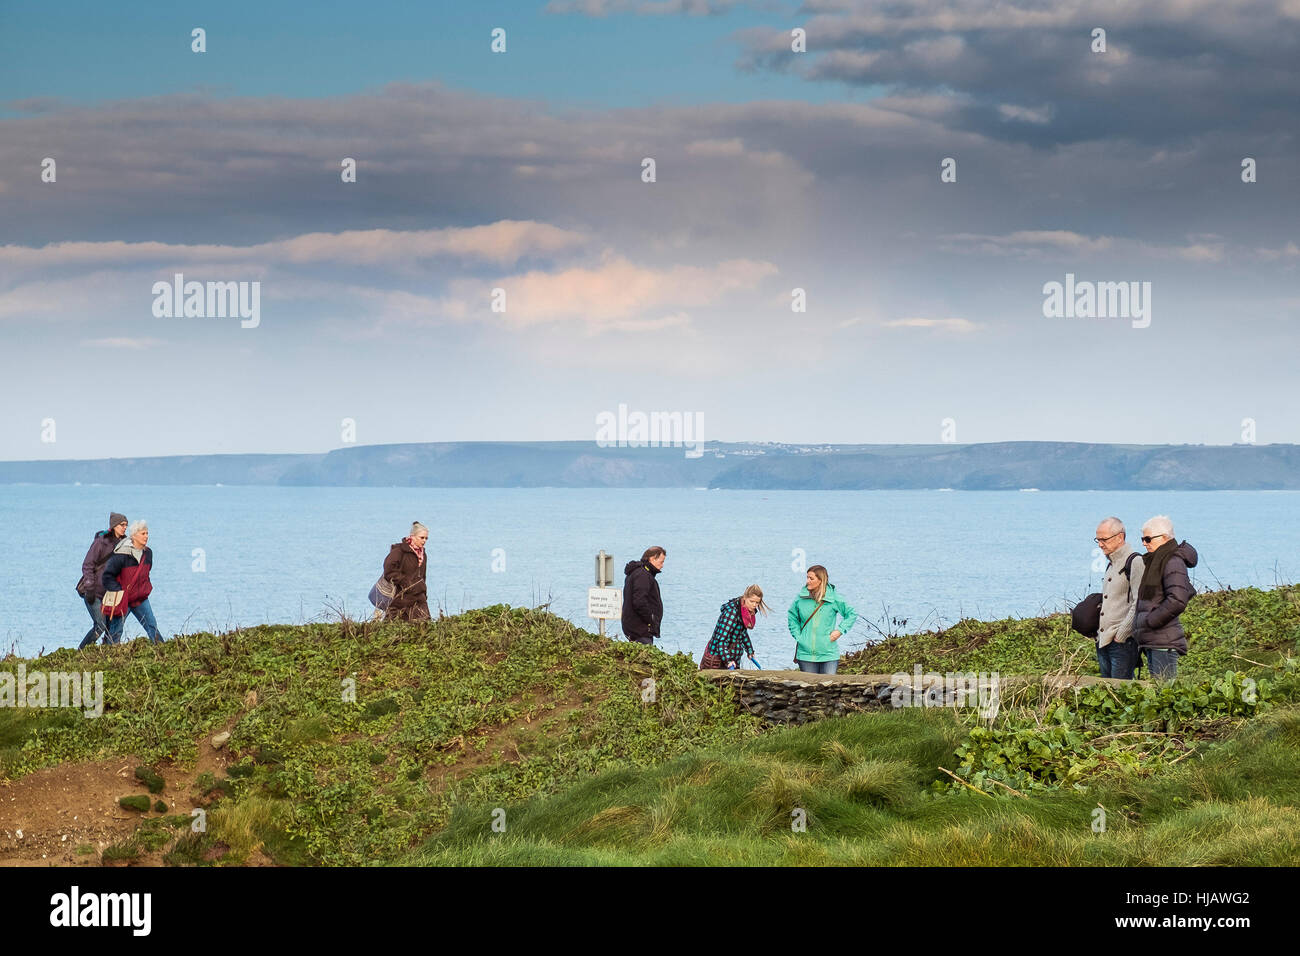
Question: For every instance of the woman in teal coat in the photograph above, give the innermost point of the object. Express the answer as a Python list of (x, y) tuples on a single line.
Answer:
[(812, 621)]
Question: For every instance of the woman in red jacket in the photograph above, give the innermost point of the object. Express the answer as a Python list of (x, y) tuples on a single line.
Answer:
[(127, 586)]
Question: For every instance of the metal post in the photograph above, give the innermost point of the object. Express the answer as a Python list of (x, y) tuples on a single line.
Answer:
[(601, 582), (603, 568)]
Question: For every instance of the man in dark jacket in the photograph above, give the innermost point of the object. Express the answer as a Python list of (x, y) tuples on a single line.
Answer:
[(91, 587), (1162, 596), (643, 608)]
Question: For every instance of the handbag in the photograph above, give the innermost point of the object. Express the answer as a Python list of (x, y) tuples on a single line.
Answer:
[(115, 603), (712, 662), (382, 594), (1085, 617)]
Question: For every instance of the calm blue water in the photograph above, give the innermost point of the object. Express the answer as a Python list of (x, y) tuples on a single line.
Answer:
[(290, 555)]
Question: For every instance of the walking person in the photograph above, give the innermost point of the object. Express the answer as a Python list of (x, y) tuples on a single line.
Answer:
[(812, 621), (730, 638), (643, 607), (405, 568), (1162, 597), (1117, 654), (91, 585), (127, 586)]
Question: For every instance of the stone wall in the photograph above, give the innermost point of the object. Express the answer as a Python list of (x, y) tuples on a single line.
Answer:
[(794, 697)]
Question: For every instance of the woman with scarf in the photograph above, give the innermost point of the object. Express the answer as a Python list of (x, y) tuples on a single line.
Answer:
[(404, 568), (731, 634), (126, 584), (1162, 598)]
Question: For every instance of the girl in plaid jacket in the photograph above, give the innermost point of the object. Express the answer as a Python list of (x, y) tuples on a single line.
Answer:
[(731, 634)]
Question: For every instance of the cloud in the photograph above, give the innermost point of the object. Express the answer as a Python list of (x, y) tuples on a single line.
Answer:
[(616, 295), (1055, 243), (1235, 61), (827, 192), (192, 170), (943, 325), (122, 343), (613, 294), (499, 243), (75, 298), (1024, 114), (1288, 251)]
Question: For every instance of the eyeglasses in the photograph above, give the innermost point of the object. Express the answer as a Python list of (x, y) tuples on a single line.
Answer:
[(1108, 537), (1148, 538)]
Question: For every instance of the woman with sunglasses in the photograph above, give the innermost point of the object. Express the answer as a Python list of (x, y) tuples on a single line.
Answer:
[(1162, 597)]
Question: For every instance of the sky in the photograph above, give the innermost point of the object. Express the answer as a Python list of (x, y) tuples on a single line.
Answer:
[(501, 269)]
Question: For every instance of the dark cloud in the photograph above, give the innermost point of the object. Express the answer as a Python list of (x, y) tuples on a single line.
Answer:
[(1175, 70)]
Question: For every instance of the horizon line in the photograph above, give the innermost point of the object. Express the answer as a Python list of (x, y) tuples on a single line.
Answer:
[(659, 446)]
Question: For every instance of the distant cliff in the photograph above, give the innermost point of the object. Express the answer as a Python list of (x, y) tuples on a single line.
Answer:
[(994, 466)]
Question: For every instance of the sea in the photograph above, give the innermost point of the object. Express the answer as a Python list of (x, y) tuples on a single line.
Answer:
[(238, 556)]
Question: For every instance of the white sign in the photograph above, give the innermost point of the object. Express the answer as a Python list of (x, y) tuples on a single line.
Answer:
[(605, 603)]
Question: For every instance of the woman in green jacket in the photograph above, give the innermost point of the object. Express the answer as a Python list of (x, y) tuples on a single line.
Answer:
[(812, 621)]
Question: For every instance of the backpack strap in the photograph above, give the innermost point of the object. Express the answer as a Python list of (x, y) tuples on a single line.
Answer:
[(1128, 565)]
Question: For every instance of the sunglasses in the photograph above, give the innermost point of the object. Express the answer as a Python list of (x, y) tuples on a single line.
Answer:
[(1148, 538)]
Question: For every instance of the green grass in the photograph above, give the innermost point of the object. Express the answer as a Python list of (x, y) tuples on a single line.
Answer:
[(1204, 770), (493, 704), (865, 786), (363, 743)]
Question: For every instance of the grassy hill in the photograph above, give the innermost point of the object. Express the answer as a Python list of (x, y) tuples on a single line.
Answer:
[(510, 736), (864, 785), (1205, 770), (494, 704)]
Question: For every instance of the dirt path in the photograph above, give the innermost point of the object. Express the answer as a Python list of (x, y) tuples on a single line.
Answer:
[(48, 816)]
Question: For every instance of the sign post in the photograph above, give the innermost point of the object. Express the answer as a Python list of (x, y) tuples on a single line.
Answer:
[(604, 603)]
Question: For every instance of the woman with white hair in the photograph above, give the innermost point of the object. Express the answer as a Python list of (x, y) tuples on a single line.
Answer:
[(404, 568), (1162, 596), (127, 586)]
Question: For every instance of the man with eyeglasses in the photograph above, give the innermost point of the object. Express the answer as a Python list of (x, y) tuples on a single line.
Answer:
[(1162, 596), (1116, 653)]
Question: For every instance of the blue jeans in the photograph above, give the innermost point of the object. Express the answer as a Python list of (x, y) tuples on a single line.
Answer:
[(99, 628), (818, 667), (1163, 662), (1117, 660), (144, 614)]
